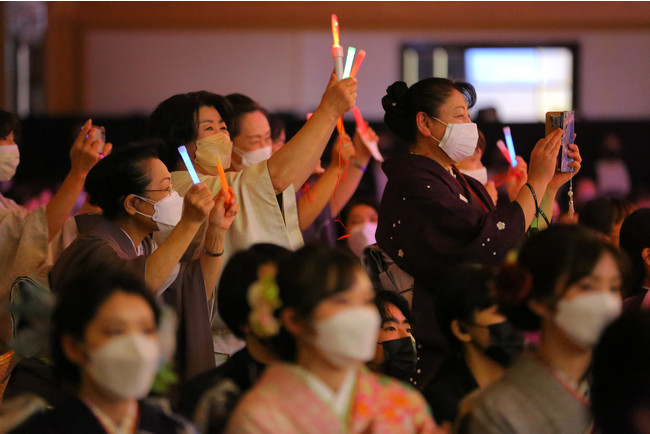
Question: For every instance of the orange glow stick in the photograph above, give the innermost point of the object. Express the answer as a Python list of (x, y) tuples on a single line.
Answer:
[(337, 50), (357, 63), (339, 127), (222, 177)]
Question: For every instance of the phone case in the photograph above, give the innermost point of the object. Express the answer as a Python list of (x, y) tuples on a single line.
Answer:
[(566, 121)]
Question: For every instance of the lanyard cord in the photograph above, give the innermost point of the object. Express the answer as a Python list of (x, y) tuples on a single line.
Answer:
[(466, 185)]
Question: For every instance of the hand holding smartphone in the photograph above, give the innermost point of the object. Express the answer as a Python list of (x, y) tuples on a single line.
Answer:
[(566, 121)]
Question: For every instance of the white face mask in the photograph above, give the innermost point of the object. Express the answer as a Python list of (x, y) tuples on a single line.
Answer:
[(348, 337), (9, 160), (251, 157), (167, 211), (209, 148), (459, 140), (478, 174), (125, 365), (361, 236), (584, 318)]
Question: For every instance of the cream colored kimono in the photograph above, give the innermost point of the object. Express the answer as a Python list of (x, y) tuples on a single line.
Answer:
[(260, 220)]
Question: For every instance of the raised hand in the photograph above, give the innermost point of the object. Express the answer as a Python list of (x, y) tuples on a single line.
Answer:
[(223, 215), (84, 152), (197, 204)]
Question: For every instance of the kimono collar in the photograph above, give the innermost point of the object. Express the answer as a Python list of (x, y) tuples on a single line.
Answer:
[(97, 224)]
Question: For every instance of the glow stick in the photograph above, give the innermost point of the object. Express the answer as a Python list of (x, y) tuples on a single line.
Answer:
[(511, 146), (222, 177), (348, 62), (337, 50), (363, 128), (361, 125), (339, 126), (502, 147), (309, 115), (188, 163), (357, 63)]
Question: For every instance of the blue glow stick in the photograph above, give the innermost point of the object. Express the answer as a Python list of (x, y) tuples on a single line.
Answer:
[(511, 146), (349, 60), (188, 163)]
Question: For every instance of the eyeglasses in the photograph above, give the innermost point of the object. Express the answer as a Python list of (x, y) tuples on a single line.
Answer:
[(169, 189)]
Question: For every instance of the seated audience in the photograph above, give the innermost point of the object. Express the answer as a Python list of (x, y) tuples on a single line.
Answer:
[(106, 348), (566, 282), (481, 340), (396, 355), (635, 242), (360, 218), (605, 216), (209, 398), (323, 326), (620, 396), (134, 191)]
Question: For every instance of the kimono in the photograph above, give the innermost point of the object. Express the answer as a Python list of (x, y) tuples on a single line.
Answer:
[(263, 218), (103, 243), (430, 221), (24, 248), (283, 402), (74, 416), (528, 399)]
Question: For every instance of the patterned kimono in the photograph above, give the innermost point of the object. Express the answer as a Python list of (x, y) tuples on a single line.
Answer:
[(430, 221), (283, 402)]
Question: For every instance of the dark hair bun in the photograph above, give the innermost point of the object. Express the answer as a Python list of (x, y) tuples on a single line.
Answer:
[(395, 99), (512, 284)]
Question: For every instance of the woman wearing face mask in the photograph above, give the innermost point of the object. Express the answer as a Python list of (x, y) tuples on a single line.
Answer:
[(361, 221), (134, 190), (266, 191), (106, 349), (25, 235), (481, 340), (567, 283), (328, 328), (396, 355), (431, 216)]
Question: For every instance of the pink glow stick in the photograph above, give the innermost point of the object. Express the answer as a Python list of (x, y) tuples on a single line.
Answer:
[(357, 63), (337, 50), (504, 150), (361, 125)]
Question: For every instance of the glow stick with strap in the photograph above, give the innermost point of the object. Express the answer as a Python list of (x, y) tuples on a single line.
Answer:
[(188, 163)]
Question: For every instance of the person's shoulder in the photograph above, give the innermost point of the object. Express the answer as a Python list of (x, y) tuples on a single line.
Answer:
[(388, 388), (154, 419)]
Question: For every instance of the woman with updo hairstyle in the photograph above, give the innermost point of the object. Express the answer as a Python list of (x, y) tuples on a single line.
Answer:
[(433, 217), (134, 190), (321, 322), (566, 284)]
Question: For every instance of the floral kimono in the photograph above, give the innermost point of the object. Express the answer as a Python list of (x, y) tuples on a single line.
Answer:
[(284, 402)]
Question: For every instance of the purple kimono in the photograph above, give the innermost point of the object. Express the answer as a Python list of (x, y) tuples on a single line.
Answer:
[(102, 242), (430, 221)]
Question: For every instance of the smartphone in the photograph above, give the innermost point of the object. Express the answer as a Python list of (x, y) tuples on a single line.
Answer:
[(99, 133), (566, 121)]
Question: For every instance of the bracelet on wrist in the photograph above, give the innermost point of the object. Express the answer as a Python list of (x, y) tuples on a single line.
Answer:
[(210, 253), (359, 166)]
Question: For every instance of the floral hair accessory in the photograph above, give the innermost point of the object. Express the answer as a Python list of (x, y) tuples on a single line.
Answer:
[(264, 299)]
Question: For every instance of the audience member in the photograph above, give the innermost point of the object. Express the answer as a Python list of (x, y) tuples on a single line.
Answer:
[(360, 218), (134, 191), (106, 348), (396, 355), (635, 241), (210, 398), (431, 216), (605, 215), (481, 340), (324, 327), (566, 282)]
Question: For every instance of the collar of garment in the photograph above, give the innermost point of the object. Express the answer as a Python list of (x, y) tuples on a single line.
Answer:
[(337, 400), (126, 426)]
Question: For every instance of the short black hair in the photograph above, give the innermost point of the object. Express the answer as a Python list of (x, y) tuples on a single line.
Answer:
[(466, 291), (78, 303), (175, 121), (119, 174), (384, 297), (620, 374), (9, 123), (402, 103), (237, 276), (242, 105), (635, 236)]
